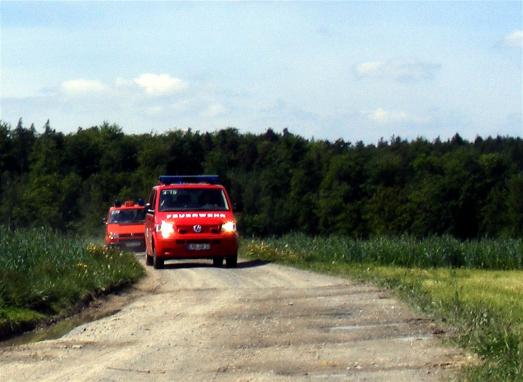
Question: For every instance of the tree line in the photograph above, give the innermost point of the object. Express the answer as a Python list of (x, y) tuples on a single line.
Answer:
[(280, 182)]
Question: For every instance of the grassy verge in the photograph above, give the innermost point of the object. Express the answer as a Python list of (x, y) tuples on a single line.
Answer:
[(484, 305), (44, 274)]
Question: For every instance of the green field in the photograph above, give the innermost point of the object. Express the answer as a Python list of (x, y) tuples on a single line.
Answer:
[(44, 274), (474, 286)]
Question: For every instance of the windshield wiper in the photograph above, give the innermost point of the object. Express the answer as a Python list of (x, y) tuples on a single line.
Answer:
[(194, 209)]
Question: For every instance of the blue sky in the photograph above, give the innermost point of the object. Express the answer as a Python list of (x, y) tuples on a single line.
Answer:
[(352, 70)]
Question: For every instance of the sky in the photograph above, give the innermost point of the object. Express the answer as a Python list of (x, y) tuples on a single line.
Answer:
[(324, 70)]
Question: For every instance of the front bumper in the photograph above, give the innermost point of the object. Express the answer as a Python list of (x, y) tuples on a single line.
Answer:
[(209, 246), (128, 244)]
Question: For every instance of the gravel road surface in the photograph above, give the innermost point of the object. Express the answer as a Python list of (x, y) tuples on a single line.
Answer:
[(259, 322)]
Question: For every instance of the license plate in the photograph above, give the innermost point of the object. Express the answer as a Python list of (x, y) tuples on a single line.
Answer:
[(198, 246), (133, 244)]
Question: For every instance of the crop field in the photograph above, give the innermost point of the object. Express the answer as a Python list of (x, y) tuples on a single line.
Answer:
[(476, 287), (43, 273)]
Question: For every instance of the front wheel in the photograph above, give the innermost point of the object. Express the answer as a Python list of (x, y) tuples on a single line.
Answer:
[(148, 259), (217, 261), (231, 261), (157, 262)]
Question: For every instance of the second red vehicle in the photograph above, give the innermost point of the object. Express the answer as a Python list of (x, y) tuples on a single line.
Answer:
[(125, 226)]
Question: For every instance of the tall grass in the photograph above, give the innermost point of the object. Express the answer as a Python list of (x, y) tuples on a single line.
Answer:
[(405, 251), (46, 273), (476, 286)]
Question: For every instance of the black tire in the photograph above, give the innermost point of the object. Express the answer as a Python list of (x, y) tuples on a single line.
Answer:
[(231, 261), (148, 259), (157, 262), (217, 261)]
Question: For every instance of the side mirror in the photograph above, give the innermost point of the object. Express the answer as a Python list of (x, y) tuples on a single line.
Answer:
[(148, 209)]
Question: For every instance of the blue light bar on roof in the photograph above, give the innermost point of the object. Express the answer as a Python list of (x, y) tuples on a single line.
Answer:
[(180, 179)]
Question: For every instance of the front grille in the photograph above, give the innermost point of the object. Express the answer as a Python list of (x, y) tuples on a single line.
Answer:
[(132, 235), (184, 242), (205, 229)]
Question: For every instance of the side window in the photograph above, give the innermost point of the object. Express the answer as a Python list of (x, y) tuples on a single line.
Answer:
[(153, 203), (151, 199)]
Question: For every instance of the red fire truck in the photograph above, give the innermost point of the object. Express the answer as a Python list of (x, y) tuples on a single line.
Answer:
[(190, 217), (125, 225)]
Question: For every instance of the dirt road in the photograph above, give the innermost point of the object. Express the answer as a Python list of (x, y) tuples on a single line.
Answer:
[(259, 322)]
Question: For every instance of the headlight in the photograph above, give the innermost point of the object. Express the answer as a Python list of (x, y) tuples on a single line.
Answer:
[(167, 229), (113, 235), (229, 227)]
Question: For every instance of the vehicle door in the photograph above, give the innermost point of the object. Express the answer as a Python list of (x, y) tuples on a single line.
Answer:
[(149, 219)]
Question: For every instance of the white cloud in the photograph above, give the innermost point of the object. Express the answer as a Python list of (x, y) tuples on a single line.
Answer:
[(213, 110), (159, 84), (154, 110), (81, 86), (514, 39), (369, 68), (383, 116), (182, 105), (403, 71)]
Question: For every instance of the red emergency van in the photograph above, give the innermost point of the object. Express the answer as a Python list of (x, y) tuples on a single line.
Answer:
[(190, 217), (125, 225)]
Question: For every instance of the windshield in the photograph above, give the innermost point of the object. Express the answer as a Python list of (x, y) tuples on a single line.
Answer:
[(134, 215), (193, 199)]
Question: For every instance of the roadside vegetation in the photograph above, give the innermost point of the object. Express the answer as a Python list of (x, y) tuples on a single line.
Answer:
[(45, 274), (476, 287)]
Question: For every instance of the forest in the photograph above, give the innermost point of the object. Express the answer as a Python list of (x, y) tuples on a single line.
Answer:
[(279, 182)]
